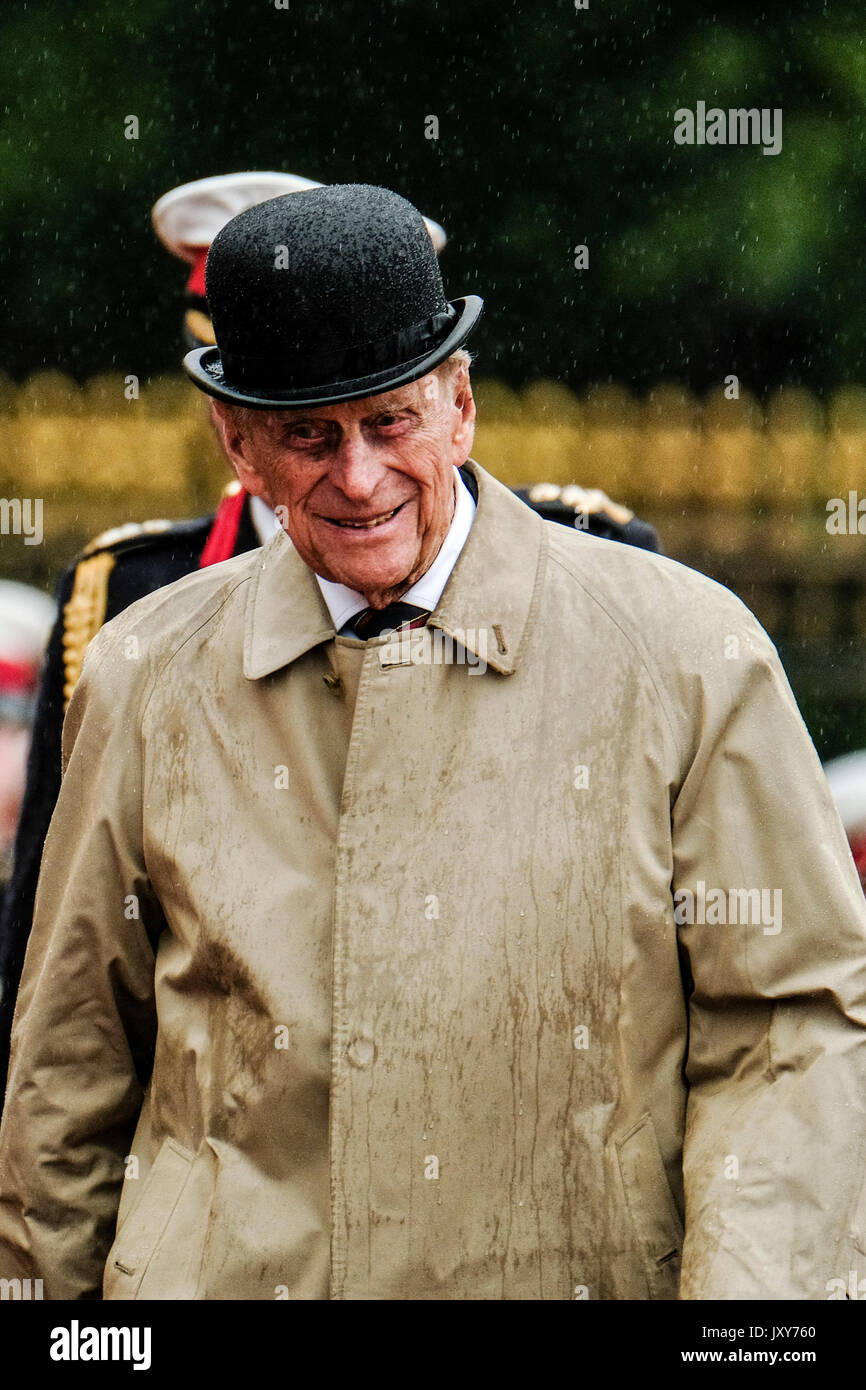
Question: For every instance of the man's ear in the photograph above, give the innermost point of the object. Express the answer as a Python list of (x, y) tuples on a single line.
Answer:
[(464, 420), (235, 446)]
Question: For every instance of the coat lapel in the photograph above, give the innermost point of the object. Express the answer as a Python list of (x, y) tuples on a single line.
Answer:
[(286, 615), (489, 600)]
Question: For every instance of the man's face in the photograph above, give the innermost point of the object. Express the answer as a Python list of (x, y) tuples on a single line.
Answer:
[(365, 489)]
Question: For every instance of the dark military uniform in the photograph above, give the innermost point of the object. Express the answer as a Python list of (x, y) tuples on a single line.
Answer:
[(592, 511), (114, 571)]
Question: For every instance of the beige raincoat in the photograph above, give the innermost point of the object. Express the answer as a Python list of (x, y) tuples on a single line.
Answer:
[(361, 972)]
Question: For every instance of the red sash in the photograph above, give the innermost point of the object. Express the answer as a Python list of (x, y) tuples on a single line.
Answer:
[(220, 544)]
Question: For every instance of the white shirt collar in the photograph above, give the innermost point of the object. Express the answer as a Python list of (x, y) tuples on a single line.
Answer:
[(344, 603)]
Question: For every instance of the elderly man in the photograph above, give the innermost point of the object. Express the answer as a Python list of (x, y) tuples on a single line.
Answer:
[(129, 561), (536, 969)]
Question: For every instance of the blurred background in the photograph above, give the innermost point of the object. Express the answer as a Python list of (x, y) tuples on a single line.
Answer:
[(555, 129)]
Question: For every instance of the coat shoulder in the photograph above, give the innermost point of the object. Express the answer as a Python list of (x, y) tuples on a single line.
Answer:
[(116, 569), (660, 604), (124, 661), (169, 615), (682, 635)]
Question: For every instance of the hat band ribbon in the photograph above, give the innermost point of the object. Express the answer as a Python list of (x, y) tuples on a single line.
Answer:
[(306, 368)]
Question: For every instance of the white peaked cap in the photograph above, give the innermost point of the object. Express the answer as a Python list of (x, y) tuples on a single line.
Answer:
[(189, 217), (847, 779), (26, 618)]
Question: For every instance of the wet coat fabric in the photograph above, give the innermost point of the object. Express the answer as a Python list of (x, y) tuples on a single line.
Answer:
[(137, 559), (385, 971)]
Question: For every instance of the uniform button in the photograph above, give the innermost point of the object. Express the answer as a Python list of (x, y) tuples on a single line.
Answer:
[(361, 1052)]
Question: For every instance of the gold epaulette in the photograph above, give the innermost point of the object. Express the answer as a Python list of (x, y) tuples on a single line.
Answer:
[(589, 500), (84, 615)]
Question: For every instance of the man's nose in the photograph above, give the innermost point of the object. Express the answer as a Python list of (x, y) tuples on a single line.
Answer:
[(356, 468)]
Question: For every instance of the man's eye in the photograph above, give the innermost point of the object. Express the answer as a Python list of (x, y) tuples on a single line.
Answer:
[(307, 433), (386, 422)]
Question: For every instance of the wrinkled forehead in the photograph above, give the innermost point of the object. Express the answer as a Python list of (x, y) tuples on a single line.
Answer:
[(422, 396)]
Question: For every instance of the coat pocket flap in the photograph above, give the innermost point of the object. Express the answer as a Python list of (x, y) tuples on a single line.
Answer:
[(653, 1211), (140, 1232)]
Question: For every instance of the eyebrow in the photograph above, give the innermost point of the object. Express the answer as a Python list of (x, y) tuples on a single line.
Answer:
[(390, 405), (386, 405)]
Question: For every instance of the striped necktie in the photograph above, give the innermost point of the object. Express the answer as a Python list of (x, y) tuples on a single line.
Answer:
[(372, 622)]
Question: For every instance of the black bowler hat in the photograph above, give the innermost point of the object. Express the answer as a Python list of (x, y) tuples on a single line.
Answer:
[(325, 295)]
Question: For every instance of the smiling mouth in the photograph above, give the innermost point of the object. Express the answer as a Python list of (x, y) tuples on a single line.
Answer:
[(369, 525)]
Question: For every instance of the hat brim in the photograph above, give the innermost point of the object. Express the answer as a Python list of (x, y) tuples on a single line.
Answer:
[(204, 367)]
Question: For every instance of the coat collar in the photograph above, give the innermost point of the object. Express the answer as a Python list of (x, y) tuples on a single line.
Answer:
[(486, 605)]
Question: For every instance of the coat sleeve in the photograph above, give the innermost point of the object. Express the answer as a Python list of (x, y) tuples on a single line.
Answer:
[(84, 1026), (773, 937)]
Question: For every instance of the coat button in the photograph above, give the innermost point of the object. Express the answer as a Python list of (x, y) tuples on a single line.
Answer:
[(361, 1052)]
